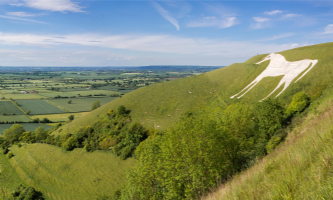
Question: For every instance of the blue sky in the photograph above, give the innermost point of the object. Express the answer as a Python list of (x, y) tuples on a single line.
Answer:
[(136, 33)]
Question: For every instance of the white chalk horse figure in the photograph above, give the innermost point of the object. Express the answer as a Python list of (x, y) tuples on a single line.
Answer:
[(279, 66)]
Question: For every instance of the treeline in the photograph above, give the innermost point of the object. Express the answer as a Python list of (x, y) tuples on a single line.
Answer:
[(113, 132), (200, 152)]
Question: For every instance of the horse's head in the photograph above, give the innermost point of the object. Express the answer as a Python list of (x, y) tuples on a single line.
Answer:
[(266, 58)]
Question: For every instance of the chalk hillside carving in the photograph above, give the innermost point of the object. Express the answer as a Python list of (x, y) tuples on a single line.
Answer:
[(279, 66)]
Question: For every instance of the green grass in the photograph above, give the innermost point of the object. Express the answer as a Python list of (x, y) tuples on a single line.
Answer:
[(59, 174), (22, 96), (26, 126), (39, 107), (58, 117), (80, 105), (8, 108), (162, 104), (14, 118), (55, 94), (300, 168)]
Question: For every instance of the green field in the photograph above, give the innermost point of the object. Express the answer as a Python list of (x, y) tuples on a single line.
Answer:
[(8, 108), (14, 118), (80, 105), (26, 126), (39, 107), (55, 94), (58, 117), (60, 174), (22, 96)]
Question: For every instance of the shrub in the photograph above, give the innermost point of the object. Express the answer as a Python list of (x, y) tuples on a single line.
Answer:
[(298, 104), (272, 143), (71, 117), (10, 154), (70, 143)]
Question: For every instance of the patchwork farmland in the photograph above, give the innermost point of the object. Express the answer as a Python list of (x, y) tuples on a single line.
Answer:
[(8, 108), (39, 107)]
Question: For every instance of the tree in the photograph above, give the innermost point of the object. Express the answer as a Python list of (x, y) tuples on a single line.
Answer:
[(28, 112), (121, 110), (298, 104), (13, 133), (95, 105), (71, 117), (69, 102), (40, 134)]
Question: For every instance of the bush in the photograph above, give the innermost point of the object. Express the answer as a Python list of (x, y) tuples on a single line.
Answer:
[(272, 143), (70, 143), (298, 104), (27, 193), (10, 154)]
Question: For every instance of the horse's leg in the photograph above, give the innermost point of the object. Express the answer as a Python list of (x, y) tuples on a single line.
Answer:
[(244, 88), (279, 85), (249, 89), (312, 63)]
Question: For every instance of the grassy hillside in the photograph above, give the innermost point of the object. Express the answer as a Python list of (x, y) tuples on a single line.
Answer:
[(60, 174), (300, 168), (160, 105)]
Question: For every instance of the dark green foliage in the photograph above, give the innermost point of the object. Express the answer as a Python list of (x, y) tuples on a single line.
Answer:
[(121, 110), (40, 134), (71, 117), (95, 105), (298, 104), (70, 143), (13, 133), (10, 154), (27, 193)]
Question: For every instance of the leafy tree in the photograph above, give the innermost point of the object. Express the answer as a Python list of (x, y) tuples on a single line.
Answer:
[(40, 133), (13, 133), (121, 110), (71, 117), (69, 102), (298, 104), (269, 117), (95, 105), (28, 112)]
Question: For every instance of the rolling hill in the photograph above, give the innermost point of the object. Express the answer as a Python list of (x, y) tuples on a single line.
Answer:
[(160, 105), (80, 175)]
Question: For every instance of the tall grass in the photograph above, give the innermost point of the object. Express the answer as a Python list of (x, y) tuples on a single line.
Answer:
[(300, 168)]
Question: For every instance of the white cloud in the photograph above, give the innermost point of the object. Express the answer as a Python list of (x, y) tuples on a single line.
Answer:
[(214, 22), (49, 5), (273, 12), (328, 29), (260, 22), (24, 14), (22, 19), (260, 19), (276, 37), (147, 43), (166, 15), (291, 15)]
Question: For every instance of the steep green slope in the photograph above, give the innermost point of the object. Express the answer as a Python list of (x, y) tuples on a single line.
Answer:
[(300, 168), (60, 174), (160, 105)]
